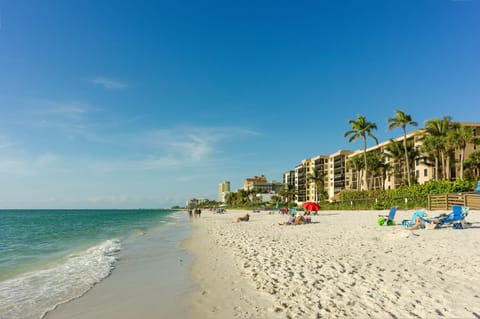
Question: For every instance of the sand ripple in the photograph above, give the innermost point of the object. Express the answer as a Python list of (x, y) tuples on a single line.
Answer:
[(342, 266)]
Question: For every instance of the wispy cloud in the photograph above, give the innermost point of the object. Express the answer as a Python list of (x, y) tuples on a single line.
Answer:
[(172, 149), (191, 144), (5, 143), (109, 83), (22, 165)]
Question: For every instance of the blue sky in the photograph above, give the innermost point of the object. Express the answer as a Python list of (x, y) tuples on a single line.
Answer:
[(126, 104)]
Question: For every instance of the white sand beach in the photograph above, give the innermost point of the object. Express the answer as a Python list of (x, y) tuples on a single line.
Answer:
[(342, 266)]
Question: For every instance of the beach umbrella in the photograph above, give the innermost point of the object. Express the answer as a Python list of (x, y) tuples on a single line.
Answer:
[(311, 206)]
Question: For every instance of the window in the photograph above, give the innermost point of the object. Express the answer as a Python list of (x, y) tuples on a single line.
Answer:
[(417, 173), (425, 172), (417, 162)]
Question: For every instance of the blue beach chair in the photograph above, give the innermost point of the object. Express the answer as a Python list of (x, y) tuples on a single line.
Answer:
[(387, 219), (457, 216), (411, 222)]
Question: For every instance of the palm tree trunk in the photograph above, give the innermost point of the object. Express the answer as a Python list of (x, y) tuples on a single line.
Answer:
[(462, 159), (444, 170), (407, 164), (365, 180)]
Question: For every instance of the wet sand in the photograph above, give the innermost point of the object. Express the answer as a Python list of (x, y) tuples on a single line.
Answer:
[(151, 280)]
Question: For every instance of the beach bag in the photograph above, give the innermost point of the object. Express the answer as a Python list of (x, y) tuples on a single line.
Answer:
[(381, 221)]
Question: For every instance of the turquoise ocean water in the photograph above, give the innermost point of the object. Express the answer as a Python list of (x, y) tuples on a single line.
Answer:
[(48, 257)]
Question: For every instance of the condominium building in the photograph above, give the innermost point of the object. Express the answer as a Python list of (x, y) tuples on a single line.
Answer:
[(315, 177), (336, 172), (260, 184), (341, 173)]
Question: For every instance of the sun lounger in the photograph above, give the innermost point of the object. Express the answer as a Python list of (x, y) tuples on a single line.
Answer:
[(387, 219)]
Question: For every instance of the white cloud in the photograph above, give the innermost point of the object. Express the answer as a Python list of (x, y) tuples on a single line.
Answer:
[(109, 83), (16, 165), (192, 144)]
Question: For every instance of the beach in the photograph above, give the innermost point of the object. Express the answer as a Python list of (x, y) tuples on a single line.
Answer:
[(343, 265)]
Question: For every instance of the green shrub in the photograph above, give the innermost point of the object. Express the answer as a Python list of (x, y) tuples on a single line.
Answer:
[(414, 196)]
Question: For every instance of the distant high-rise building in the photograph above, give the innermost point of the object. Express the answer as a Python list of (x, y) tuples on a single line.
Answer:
[(223, 190)]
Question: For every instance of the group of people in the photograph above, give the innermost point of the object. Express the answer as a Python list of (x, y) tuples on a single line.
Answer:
[(294, 219), (194, 212), (419, 220), (298, 218)]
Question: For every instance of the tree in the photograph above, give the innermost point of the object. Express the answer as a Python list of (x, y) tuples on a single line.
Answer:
[(402, 120), (397, 153), (356, 163), (472, 163), (432, 146), (318, 178), (376, 162), (287, 192), (362, 128), (459, 137), (438, 128)]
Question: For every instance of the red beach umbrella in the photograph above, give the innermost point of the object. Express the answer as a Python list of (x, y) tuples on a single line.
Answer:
[(311, 206)]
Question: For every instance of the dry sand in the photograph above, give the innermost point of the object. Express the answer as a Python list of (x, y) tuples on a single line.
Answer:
[(342, 266)]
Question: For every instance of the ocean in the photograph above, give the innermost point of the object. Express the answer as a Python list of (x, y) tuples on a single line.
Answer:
[(49, 257)]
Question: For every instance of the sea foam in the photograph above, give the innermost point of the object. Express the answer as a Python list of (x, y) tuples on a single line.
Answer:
[(32, 295)]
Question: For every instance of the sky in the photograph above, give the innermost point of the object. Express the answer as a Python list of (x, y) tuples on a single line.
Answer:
[(146, 104)]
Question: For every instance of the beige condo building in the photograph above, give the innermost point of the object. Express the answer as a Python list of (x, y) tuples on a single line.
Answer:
[(339, 176)]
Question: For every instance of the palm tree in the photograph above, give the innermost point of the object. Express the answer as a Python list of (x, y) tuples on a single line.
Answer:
[(397, 153), (439, 129), (361, 128), (287, 192), (318, 178), (459, 137), (432, 146), (402, 120), (472, 163), (230, 198), (376, 162), (356, 163)]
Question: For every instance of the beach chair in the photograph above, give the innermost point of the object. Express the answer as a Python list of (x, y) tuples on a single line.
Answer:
[(411, 222), (457, 216), (387, 219)]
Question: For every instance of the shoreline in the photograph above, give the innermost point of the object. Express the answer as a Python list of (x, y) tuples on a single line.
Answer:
[(151, 279), (343, 265)]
